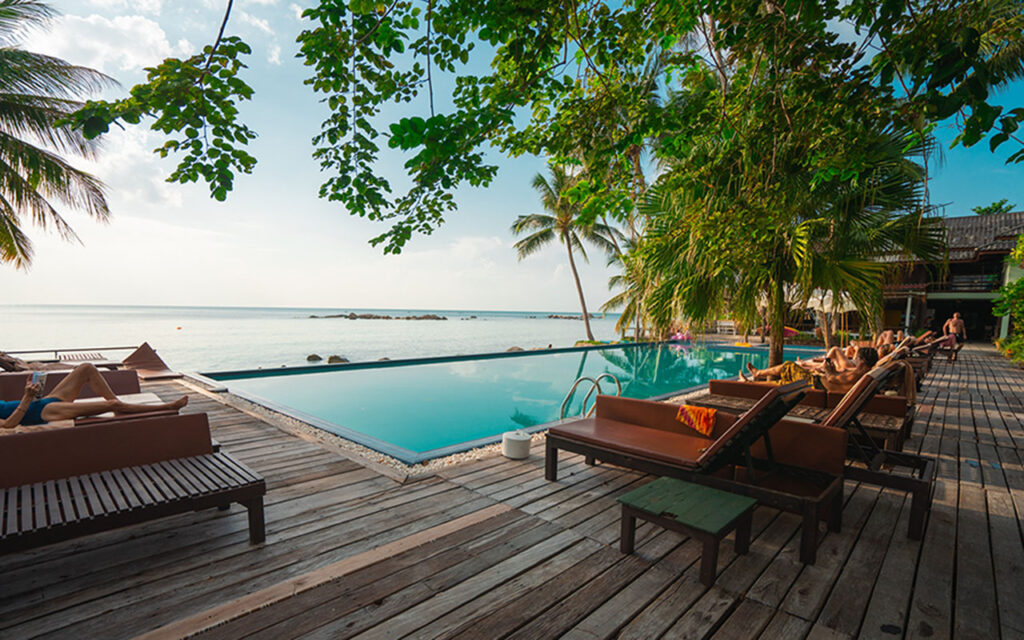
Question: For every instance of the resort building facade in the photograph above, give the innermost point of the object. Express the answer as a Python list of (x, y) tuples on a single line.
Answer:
[(922, 296)]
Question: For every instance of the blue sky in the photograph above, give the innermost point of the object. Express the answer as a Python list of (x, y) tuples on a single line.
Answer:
[(274, 243)]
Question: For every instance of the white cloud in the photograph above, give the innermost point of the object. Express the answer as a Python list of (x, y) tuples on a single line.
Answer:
[(274, 54), (259, 23), (134, 175), (123, 43), (264, 3), (297, 10), (144, 6)]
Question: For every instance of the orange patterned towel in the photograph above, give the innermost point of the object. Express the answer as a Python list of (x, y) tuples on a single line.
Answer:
[(700, 419)]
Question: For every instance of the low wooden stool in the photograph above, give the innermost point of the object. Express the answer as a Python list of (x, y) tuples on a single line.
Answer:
[(701, 512)]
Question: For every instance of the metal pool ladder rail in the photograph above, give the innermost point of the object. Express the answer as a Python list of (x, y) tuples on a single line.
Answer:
[(595, 385)]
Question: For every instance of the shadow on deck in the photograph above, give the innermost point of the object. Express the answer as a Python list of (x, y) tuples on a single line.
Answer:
[(490, 550)]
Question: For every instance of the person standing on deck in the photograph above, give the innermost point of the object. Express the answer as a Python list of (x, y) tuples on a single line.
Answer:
[(955, 327)]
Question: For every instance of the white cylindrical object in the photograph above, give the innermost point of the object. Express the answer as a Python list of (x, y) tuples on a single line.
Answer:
[(515, 445)]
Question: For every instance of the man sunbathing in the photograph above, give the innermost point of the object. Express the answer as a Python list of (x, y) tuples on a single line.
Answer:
[(830, 376), (60, 403)]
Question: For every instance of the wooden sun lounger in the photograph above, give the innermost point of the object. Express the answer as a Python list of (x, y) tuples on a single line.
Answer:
[(63, 483), (849, 413), (12, 385), (93, 357), (800, 471)]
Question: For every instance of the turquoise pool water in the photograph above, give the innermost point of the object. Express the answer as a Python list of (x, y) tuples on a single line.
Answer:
[(416, 410)]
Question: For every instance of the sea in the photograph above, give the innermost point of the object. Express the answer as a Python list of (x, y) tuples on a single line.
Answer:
[(210, 339)]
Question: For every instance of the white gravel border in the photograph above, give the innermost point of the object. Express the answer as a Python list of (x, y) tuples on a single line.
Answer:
[(375, 460)]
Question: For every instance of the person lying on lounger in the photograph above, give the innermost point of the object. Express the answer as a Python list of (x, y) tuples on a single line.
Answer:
[(827, 374), (60, 403)]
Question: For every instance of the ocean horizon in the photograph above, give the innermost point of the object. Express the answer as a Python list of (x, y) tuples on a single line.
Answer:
[(208, 338)]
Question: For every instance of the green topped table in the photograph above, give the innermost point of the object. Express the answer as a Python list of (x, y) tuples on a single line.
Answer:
[(702, 512)]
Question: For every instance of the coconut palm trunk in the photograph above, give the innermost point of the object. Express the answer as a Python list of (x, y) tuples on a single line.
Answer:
[(579, 288), (777, 321)]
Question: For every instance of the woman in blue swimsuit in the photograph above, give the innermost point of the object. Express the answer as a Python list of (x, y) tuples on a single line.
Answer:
[(60, 403)]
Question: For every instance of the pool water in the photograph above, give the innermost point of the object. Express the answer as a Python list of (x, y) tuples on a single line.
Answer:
[(416, 410)]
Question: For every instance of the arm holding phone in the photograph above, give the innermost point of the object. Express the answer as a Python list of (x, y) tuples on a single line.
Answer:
[(33, 388)]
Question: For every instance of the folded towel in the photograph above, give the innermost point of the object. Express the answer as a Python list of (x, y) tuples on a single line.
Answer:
[(700, 419)]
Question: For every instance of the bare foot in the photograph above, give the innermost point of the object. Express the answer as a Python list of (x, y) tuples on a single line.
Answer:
[(179, 403), (744, 377), (751, 368)]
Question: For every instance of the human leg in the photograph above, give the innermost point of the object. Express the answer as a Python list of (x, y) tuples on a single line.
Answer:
[(67, 410), (70, 387)]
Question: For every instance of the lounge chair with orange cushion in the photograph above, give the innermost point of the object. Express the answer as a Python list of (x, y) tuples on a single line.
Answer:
[(796, 468)]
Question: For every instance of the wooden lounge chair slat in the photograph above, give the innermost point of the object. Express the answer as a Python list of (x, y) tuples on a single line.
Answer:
[(127, 490), (103, 493), (67, 507), (114, 491), (6, 506), (235, 464), (3, 511), (53, 502), (39, 504), (169, 489), (230, 469), (12, 511), (143, 485), (193, 483), (82, 510), (214, 477), (25, 504), (97, 505)]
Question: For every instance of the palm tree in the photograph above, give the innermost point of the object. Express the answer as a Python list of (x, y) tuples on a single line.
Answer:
[(562, 225), (36, 93)]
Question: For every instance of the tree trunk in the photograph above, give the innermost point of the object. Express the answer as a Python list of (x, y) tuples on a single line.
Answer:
[(777, 321), (826, 329), (579, 289)]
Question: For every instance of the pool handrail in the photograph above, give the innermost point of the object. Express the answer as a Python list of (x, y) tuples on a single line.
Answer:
[(595, 384)]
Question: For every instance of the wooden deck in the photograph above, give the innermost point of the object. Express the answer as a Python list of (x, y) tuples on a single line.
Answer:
[(490, 550)]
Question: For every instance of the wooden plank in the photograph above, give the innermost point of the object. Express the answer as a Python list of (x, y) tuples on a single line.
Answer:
[(535, 578), (933, 588), (507, 618), (371, 611), (704, 616), (219, 615), (844, 610), (570, 610), (785, 626), (746, 621), (1008, 562), (887, 610), (975, 614)]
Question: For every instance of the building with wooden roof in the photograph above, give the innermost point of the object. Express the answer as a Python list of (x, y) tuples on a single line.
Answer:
[(923, 297)]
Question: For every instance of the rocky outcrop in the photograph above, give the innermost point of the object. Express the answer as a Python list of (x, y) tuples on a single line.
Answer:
[(514, 349), (313, 358), (337, 360), (374, 316), (555, 316)]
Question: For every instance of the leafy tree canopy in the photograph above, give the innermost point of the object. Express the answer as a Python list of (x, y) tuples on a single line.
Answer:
[(571, 81), (1003, 206)]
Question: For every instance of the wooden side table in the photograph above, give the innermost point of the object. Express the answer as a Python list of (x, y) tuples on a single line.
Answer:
[(701, 512)]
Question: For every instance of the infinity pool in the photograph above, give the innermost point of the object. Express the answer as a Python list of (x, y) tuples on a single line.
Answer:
[(415, 410)]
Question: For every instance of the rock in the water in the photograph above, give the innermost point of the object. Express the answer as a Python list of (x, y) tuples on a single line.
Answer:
[(514, 349), (337, 360), (313, 358), (383, 359)]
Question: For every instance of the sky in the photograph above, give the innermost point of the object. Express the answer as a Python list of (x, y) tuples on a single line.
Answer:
[(274, 242)]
